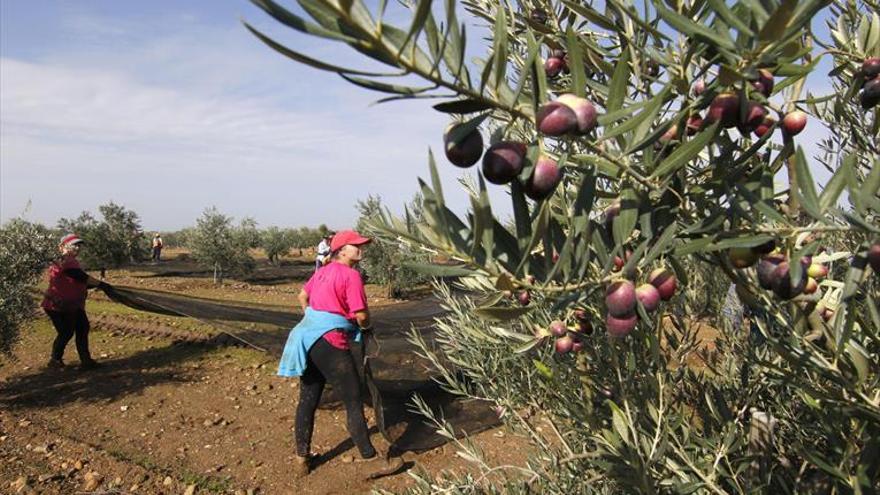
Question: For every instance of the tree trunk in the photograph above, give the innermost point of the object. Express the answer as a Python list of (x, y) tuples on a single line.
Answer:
[(217, 275)]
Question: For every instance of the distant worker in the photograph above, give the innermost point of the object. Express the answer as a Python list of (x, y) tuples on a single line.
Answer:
[(157, 248), (322, 255), (65, 303), (317, 349)]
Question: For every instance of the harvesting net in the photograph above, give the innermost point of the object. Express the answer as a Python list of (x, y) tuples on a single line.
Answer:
[(393, 375)]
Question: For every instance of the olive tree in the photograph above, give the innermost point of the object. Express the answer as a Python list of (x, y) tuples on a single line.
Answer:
[(653, 155), (114, 240), (277, 242), (220, 245), (389, 261), (26, 249)]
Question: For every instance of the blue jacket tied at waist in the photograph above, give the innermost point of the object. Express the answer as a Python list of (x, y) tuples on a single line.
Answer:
[(303, 336)]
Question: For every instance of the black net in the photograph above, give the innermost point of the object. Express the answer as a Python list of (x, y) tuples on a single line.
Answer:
[(392, 375)]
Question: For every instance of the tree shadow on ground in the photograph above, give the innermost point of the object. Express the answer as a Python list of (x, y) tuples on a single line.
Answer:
[(46, 388)]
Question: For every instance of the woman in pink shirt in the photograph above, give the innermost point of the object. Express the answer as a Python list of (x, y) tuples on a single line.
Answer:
[(335, 288)]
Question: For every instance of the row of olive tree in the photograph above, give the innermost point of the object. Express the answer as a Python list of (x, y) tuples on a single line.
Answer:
[(117, 239), (277, 241)]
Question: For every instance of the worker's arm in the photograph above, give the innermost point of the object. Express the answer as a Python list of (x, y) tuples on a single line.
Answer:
[(363, 319), (81, 276), (303, 300)]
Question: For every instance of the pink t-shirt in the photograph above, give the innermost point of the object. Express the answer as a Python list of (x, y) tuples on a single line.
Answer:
[(337, 288)]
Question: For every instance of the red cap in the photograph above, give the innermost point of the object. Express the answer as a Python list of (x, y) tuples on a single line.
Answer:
[(70, 240), (344, 237)]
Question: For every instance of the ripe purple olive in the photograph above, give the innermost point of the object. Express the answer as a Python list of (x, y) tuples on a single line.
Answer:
[(557, 328), (556, 119), (649, 296), (793, 123), (765, 126), (783, 285), (564, 344), (584, 111), (620, 298), (620, 327), (544, 179), (524, 298), (753, 118), (538, 16), (503, 161), (871, 67), (694, 124), (553, 66), (724, 109), (764, 83), (766, 267), (577, 345), (665, 282), (619, 263), (870, 94), (467, 150), (611, 212), (874, 257), (699, 87)]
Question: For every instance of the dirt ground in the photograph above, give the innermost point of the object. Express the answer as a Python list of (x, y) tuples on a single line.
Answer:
[(174, 411)]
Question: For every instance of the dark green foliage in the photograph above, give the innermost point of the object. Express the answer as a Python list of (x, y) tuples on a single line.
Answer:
[(218, 244), (386, 259), (114, 240), (26, 249), (277, 242)]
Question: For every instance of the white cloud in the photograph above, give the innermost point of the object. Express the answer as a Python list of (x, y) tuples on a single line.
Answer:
[(99, 107), (74, 137)]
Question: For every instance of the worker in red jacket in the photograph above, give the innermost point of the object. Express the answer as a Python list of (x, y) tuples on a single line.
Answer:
[(65, 303)]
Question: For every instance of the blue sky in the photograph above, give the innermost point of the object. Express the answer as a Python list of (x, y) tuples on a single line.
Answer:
[(169, 107)]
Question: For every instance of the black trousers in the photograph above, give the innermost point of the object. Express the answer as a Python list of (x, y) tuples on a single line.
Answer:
[(327, 363), (68, 324)]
